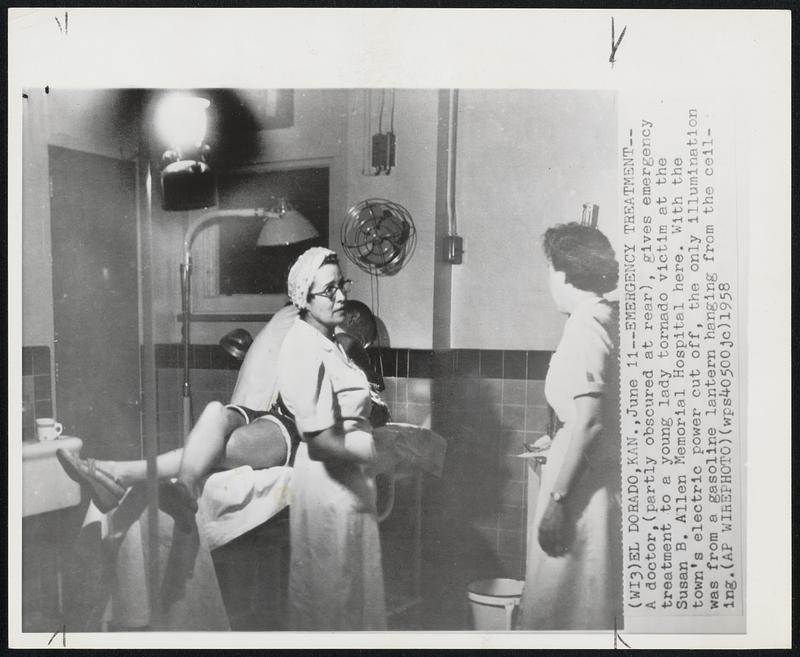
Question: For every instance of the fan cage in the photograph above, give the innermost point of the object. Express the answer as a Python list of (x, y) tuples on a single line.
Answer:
[(378, 236)]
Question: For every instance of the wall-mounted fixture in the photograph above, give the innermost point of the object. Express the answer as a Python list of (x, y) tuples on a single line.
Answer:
[(378, 236), (187, 182), (589, 214), (283, 225), (379, 147), (453, 243)]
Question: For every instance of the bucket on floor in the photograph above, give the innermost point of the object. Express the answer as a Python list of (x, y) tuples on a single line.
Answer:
[(493, 602)]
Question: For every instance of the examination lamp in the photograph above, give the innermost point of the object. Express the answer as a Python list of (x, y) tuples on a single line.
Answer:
[(187, 182)]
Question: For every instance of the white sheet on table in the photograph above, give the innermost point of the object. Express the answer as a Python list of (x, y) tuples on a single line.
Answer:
[(235, 501), (115, 564)]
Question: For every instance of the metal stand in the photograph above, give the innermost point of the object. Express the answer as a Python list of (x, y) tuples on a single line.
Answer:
[(186, 294), (399, 603)]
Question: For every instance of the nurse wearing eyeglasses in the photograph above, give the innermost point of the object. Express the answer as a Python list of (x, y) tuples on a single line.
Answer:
[(336, 579)]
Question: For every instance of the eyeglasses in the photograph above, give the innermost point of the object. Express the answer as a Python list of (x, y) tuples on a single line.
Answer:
[(330, 290)]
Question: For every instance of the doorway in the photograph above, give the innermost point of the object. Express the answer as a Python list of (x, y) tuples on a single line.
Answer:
[(96, 301)]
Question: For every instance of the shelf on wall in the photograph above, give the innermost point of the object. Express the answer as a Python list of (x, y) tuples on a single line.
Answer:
[(227, 317)]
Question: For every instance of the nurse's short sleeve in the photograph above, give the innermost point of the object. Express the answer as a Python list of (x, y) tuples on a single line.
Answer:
[(587, 349), (305, 385)]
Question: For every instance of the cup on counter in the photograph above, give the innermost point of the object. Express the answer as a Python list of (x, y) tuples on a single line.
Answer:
[(47, 428)]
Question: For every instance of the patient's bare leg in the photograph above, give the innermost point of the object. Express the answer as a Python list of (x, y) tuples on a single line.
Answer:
[(128, 473), (205, 444), (256, 444)]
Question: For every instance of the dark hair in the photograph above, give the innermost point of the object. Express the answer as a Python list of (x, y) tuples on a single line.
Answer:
[(584, 254), (330, 259), (359, 321)]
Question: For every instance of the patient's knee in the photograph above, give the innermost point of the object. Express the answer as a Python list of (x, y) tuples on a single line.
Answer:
[(214, 408)]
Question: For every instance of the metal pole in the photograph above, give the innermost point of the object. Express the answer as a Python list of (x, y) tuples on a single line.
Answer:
[(186, 292), (192, 231), (149, 409)]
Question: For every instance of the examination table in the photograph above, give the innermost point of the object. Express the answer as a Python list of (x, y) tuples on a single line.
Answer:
[(112, 549)]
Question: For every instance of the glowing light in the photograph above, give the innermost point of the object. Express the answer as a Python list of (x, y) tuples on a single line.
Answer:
[(181, 120)]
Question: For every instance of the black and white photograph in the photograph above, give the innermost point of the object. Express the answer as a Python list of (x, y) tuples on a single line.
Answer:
[(455, 337)]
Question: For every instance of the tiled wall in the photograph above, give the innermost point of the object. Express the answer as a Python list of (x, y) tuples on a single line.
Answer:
[(486, 404), (37, 395), (489, 403), (212, 374)]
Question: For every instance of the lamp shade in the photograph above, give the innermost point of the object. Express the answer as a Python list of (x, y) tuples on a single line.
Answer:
[(285, 226), (188, 185)]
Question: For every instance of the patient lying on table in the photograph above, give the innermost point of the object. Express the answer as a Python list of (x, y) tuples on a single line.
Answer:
[(243, 433)]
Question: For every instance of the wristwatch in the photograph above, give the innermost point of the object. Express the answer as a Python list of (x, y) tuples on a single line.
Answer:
[(558, 498)]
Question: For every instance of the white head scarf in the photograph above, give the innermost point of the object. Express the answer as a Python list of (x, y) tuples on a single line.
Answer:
[(301, 275)]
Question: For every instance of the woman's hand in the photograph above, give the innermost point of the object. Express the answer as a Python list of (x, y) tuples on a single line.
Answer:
[(553, 530)]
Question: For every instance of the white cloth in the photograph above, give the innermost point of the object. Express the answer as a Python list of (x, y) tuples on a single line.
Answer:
[(581, 591), (336, 578), (257, 383), (235, 501), (302, 273), (112, 553)]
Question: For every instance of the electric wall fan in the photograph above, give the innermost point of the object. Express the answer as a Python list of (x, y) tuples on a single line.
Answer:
[(378, 236)]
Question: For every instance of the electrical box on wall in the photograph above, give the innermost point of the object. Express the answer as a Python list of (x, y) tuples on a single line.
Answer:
[(453, 249), (383, 150)]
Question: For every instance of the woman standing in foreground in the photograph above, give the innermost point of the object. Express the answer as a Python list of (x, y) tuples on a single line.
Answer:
[(336, 579), (573, 578)]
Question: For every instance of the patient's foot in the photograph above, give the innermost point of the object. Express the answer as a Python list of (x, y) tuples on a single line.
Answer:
[(176, 499), (105, 491), (114, 470)]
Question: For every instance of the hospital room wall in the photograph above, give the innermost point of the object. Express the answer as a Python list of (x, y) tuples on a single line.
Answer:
[(527, 159), (83, 120), (92, 121), (404, 301)]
